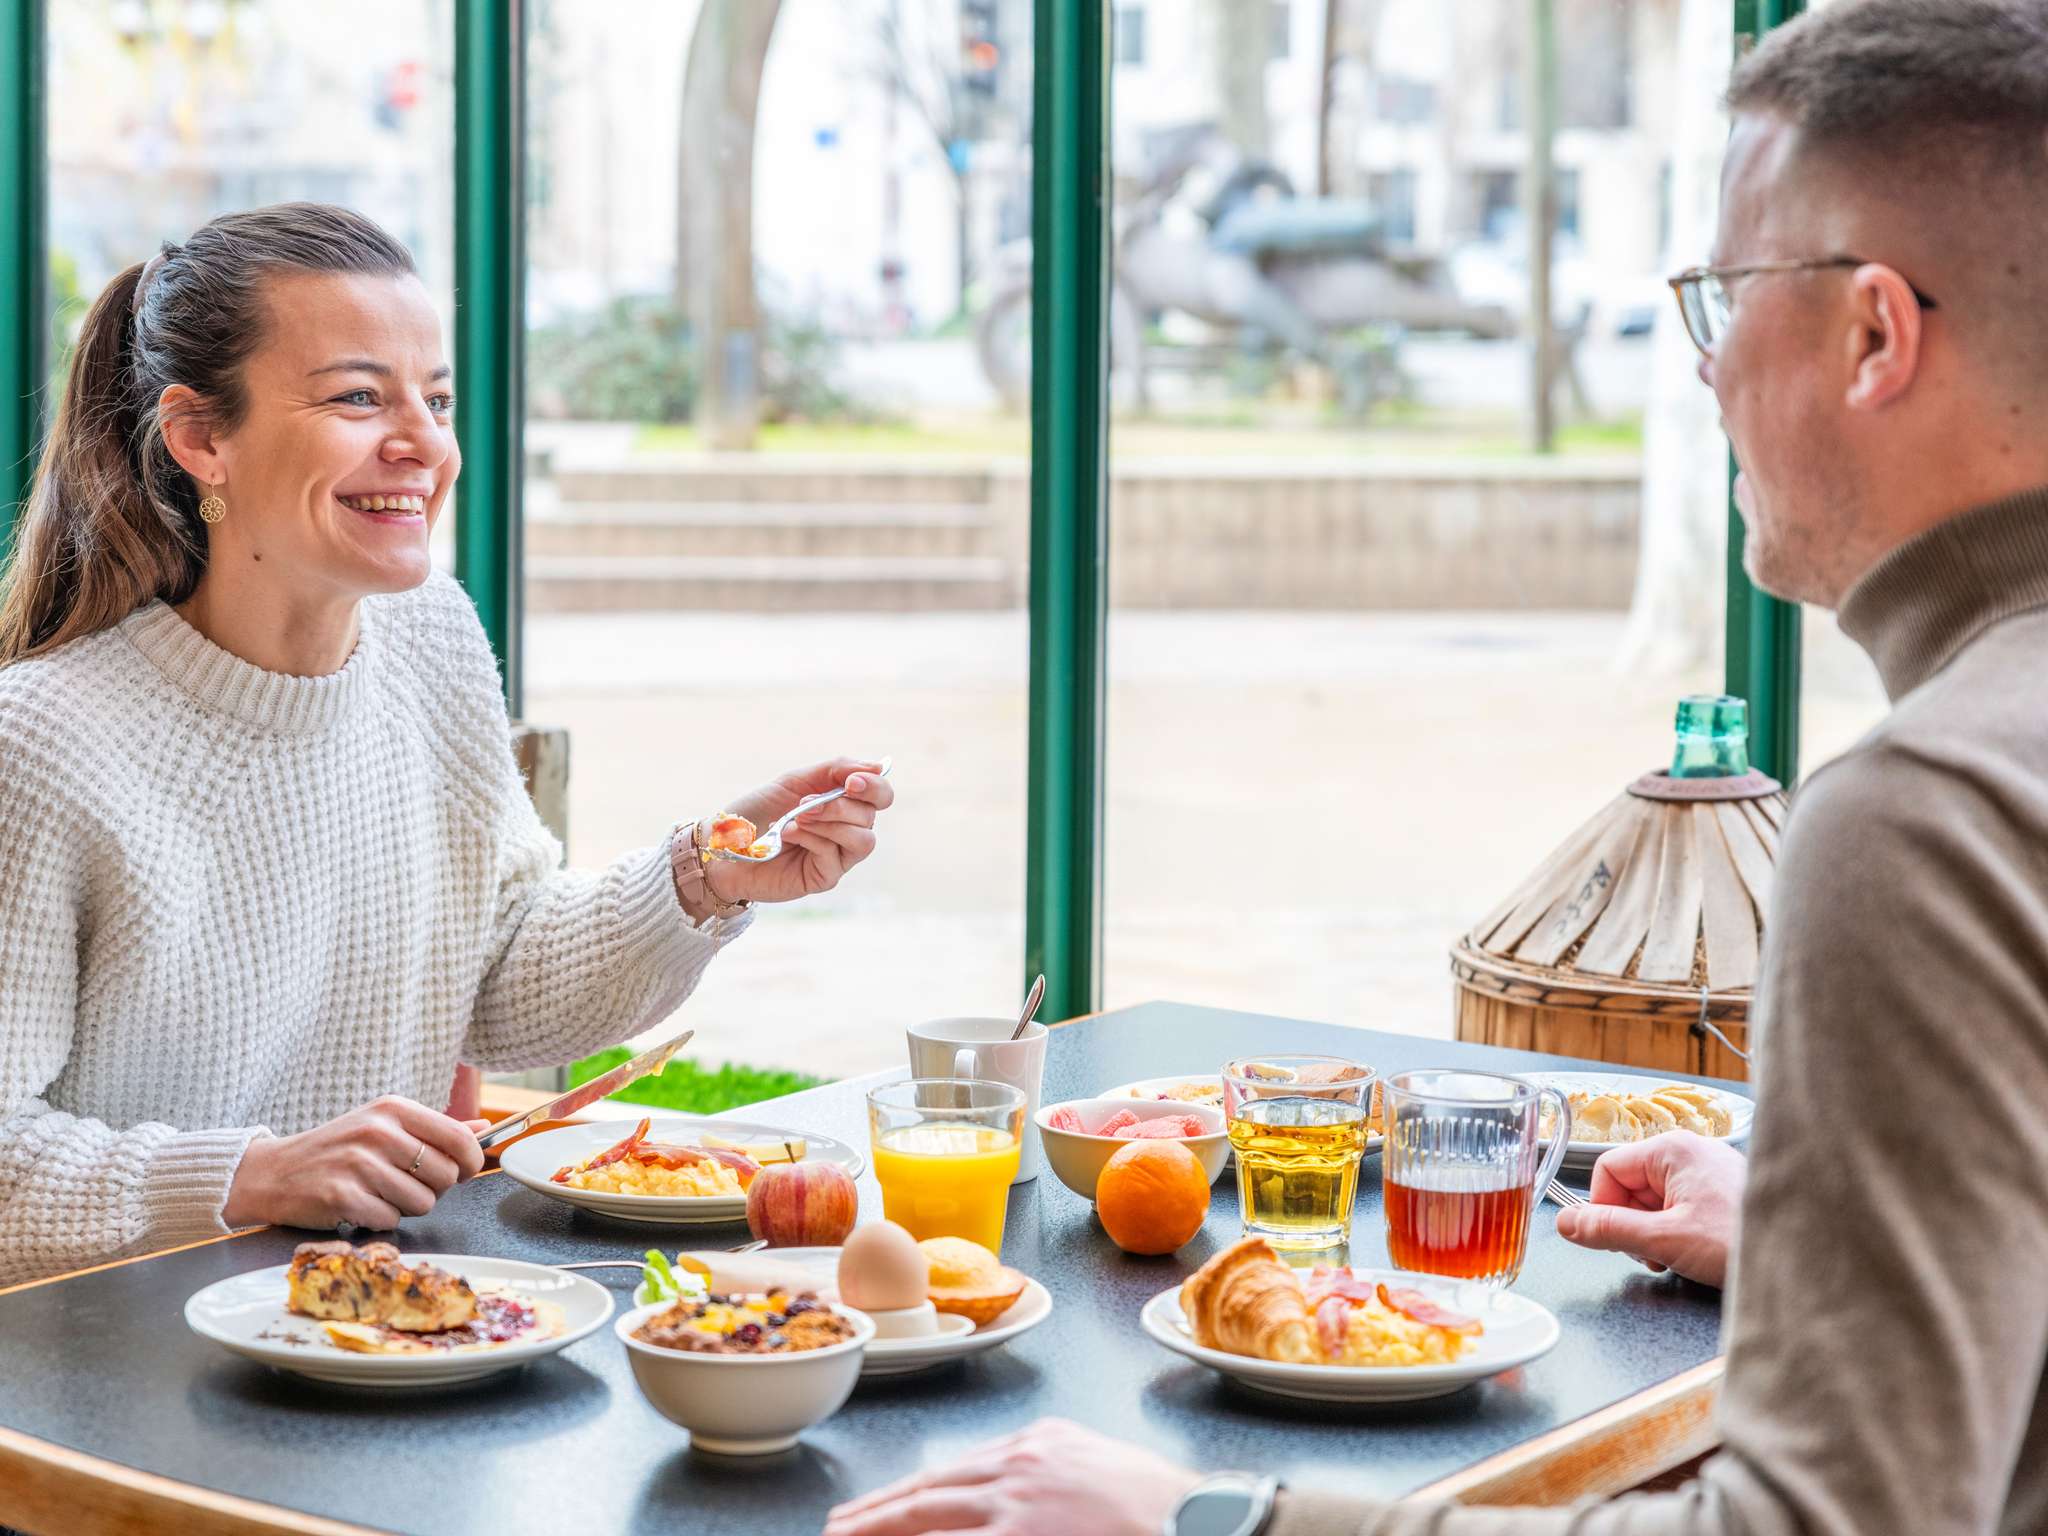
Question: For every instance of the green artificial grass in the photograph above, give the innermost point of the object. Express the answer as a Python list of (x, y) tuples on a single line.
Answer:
[(693, 1088)]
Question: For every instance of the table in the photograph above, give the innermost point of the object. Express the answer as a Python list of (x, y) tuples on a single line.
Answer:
[(114, 1417)]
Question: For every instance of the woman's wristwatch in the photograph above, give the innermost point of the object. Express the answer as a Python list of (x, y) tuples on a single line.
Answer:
[(688, 862), (1228, 1504)]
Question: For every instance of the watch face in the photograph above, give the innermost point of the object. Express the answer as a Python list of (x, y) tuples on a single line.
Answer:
[(1216, 1512)]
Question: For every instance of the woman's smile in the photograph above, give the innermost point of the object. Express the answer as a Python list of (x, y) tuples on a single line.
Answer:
[(403, 508)]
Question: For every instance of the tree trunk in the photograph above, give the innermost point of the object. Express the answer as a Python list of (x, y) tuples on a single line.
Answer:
[(1243, 30), (1674, 620), (715, 235), (1539, 215), (1326, 94)]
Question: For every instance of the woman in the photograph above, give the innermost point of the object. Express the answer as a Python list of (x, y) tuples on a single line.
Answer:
[(267, 868)]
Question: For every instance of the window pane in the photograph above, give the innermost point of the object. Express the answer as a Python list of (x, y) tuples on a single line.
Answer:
[(818, 548), (164, 115), (1373, 657)]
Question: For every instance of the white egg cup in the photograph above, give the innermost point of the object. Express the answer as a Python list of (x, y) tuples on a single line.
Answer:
[(918, 1322)]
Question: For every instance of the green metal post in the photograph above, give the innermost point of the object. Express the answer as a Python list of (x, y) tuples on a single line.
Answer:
[(1762, 631), (24, 254), (490, 270), (1069, 501)]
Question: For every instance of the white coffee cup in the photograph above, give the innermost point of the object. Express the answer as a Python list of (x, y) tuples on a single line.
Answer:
[(983, 1048)]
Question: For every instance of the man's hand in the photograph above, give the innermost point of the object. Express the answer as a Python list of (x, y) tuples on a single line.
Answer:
[(1054, 1476), (369, 1167), (820, 846), (1671, 1201)]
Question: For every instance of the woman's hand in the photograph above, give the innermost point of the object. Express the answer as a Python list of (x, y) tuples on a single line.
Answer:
[(820, 846), (1054, 1476), (391, 1158), (1671, 1201)]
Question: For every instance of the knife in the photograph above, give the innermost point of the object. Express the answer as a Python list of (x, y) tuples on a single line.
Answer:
[(585, 1093)]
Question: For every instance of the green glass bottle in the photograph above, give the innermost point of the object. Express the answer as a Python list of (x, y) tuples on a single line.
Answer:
[(1713, 737)]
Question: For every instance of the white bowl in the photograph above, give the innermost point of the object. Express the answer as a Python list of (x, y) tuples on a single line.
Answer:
[(1078, 1158), (745, 1405)]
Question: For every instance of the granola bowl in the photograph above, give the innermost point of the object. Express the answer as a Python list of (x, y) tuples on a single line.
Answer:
[(744, 1404)]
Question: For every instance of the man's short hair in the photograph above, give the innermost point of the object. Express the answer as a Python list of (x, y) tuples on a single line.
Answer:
[(1892, 76)]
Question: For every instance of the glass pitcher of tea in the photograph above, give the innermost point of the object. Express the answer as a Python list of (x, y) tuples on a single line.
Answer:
[(1461, 1170)]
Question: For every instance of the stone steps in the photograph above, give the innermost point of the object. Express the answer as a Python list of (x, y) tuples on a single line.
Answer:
[(786, 530), (767, 583)]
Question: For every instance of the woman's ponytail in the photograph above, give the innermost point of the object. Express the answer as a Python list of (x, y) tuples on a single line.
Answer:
[(111, 522), (89, 548)]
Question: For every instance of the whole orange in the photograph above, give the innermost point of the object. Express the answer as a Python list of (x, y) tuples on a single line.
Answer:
[(1152, 1196)]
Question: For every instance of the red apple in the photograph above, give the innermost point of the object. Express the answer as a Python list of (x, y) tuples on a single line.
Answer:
[(802, 1205)]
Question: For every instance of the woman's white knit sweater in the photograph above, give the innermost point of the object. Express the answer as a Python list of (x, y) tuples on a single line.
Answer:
[(234, 902)]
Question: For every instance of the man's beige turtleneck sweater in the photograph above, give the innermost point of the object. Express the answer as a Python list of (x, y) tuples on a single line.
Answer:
[(1888, 1316)]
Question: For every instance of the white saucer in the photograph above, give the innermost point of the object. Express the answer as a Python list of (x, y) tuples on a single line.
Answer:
[(957, 1339)]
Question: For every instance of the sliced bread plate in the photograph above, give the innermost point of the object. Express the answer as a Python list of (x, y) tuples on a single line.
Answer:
[(1582, 1153), (533, 1161), (246, 1313), (1518, 1330)]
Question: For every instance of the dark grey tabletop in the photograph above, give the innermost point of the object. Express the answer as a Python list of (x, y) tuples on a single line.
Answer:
[(103, 1363)]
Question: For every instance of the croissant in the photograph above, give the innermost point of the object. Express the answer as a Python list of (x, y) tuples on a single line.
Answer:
[(1244, 1301)]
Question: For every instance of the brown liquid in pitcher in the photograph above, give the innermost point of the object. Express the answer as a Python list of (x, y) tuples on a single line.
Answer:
[(1469, 1234)]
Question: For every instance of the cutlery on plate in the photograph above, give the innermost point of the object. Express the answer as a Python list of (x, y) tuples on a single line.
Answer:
[(769, 838), (754, 1247), (564, 1104)]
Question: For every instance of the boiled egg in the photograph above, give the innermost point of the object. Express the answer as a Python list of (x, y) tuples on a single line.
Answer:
[(881, 1269)]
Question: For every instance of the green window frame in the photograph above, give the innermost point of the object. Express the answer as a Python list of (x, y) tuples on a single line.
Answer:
[(1069, 603)]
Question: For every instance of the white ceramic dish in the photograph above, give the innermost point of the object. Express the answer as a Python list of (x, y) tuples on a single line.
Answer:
[(1583, 1154), (246, 1314), (1518, 1330), (1153, 1087), (745, 1405), (958, 1338), (1077, 1158), (534, 1159)]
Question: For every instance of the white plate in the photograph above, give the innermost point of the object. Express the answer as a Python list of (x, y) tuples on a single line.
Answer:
[(534, 1159), (1153, 1087), (246, 1314), (899, 1357), (1583, 1154), (1518, 1330)]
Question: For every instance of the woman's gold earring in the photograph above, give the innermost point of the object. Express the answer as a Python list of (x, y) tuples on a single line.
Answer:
[(212, 509)]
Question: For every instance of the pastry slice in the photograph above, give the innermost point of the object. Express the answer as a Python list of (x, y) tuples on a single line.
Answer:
[(1688, 1117), (969, 1281), (1706, 1103), (1601, 1119), (373, 1284), (1244, 1301), (1652, 1118)]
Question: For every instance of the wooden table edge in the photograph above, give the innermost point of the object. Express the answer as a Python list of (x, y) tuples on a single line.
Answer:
[(49, 1487), (1606, 1452)]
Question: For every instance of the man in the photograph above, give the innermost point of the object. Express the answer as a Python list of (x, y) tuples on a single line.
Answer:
[(1876, 332)]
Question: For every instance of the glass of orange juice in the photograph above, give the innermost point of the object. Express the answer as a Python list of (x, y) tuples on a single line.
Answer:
[(945, 1151)]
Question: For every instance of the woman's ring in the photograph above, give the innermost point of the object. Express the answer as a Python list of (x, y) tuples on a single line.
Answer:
[(416, 1158)]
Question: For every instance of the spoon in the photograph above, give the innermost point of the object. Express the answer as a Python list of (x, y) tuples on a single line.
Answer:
[(769, 839), (1031, 1002)]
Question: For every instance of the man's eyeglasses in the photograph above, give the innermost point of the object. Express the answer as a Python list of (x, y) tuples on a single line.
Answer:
[(1703, 293)]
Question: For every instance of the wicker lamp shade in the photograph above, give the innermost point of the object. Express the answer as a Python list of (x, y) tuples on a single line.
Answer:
[(1640, 931)]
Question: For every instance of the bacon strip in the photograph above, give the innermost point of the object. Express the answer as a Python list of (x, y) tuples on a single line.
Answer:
[(609, 1155), (1415, 1305), (1332, 1318)]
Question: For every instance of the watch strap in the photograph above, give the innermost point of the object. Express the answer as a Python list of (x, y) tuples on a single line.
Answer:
[(688, 862)]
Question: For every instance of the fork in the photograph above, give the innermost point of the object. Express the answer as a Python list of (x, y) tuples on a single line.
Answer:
[(1563, 1194), (755, 1247), (769, 838)]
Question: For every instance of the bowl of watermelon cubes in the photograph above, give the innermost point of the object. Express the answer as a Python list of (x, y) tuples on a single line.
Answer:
[(1080, 1135)]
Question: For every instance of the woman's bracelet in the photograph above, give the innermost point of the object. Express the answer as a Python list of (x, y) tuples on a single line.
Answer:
[(688, 864)]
